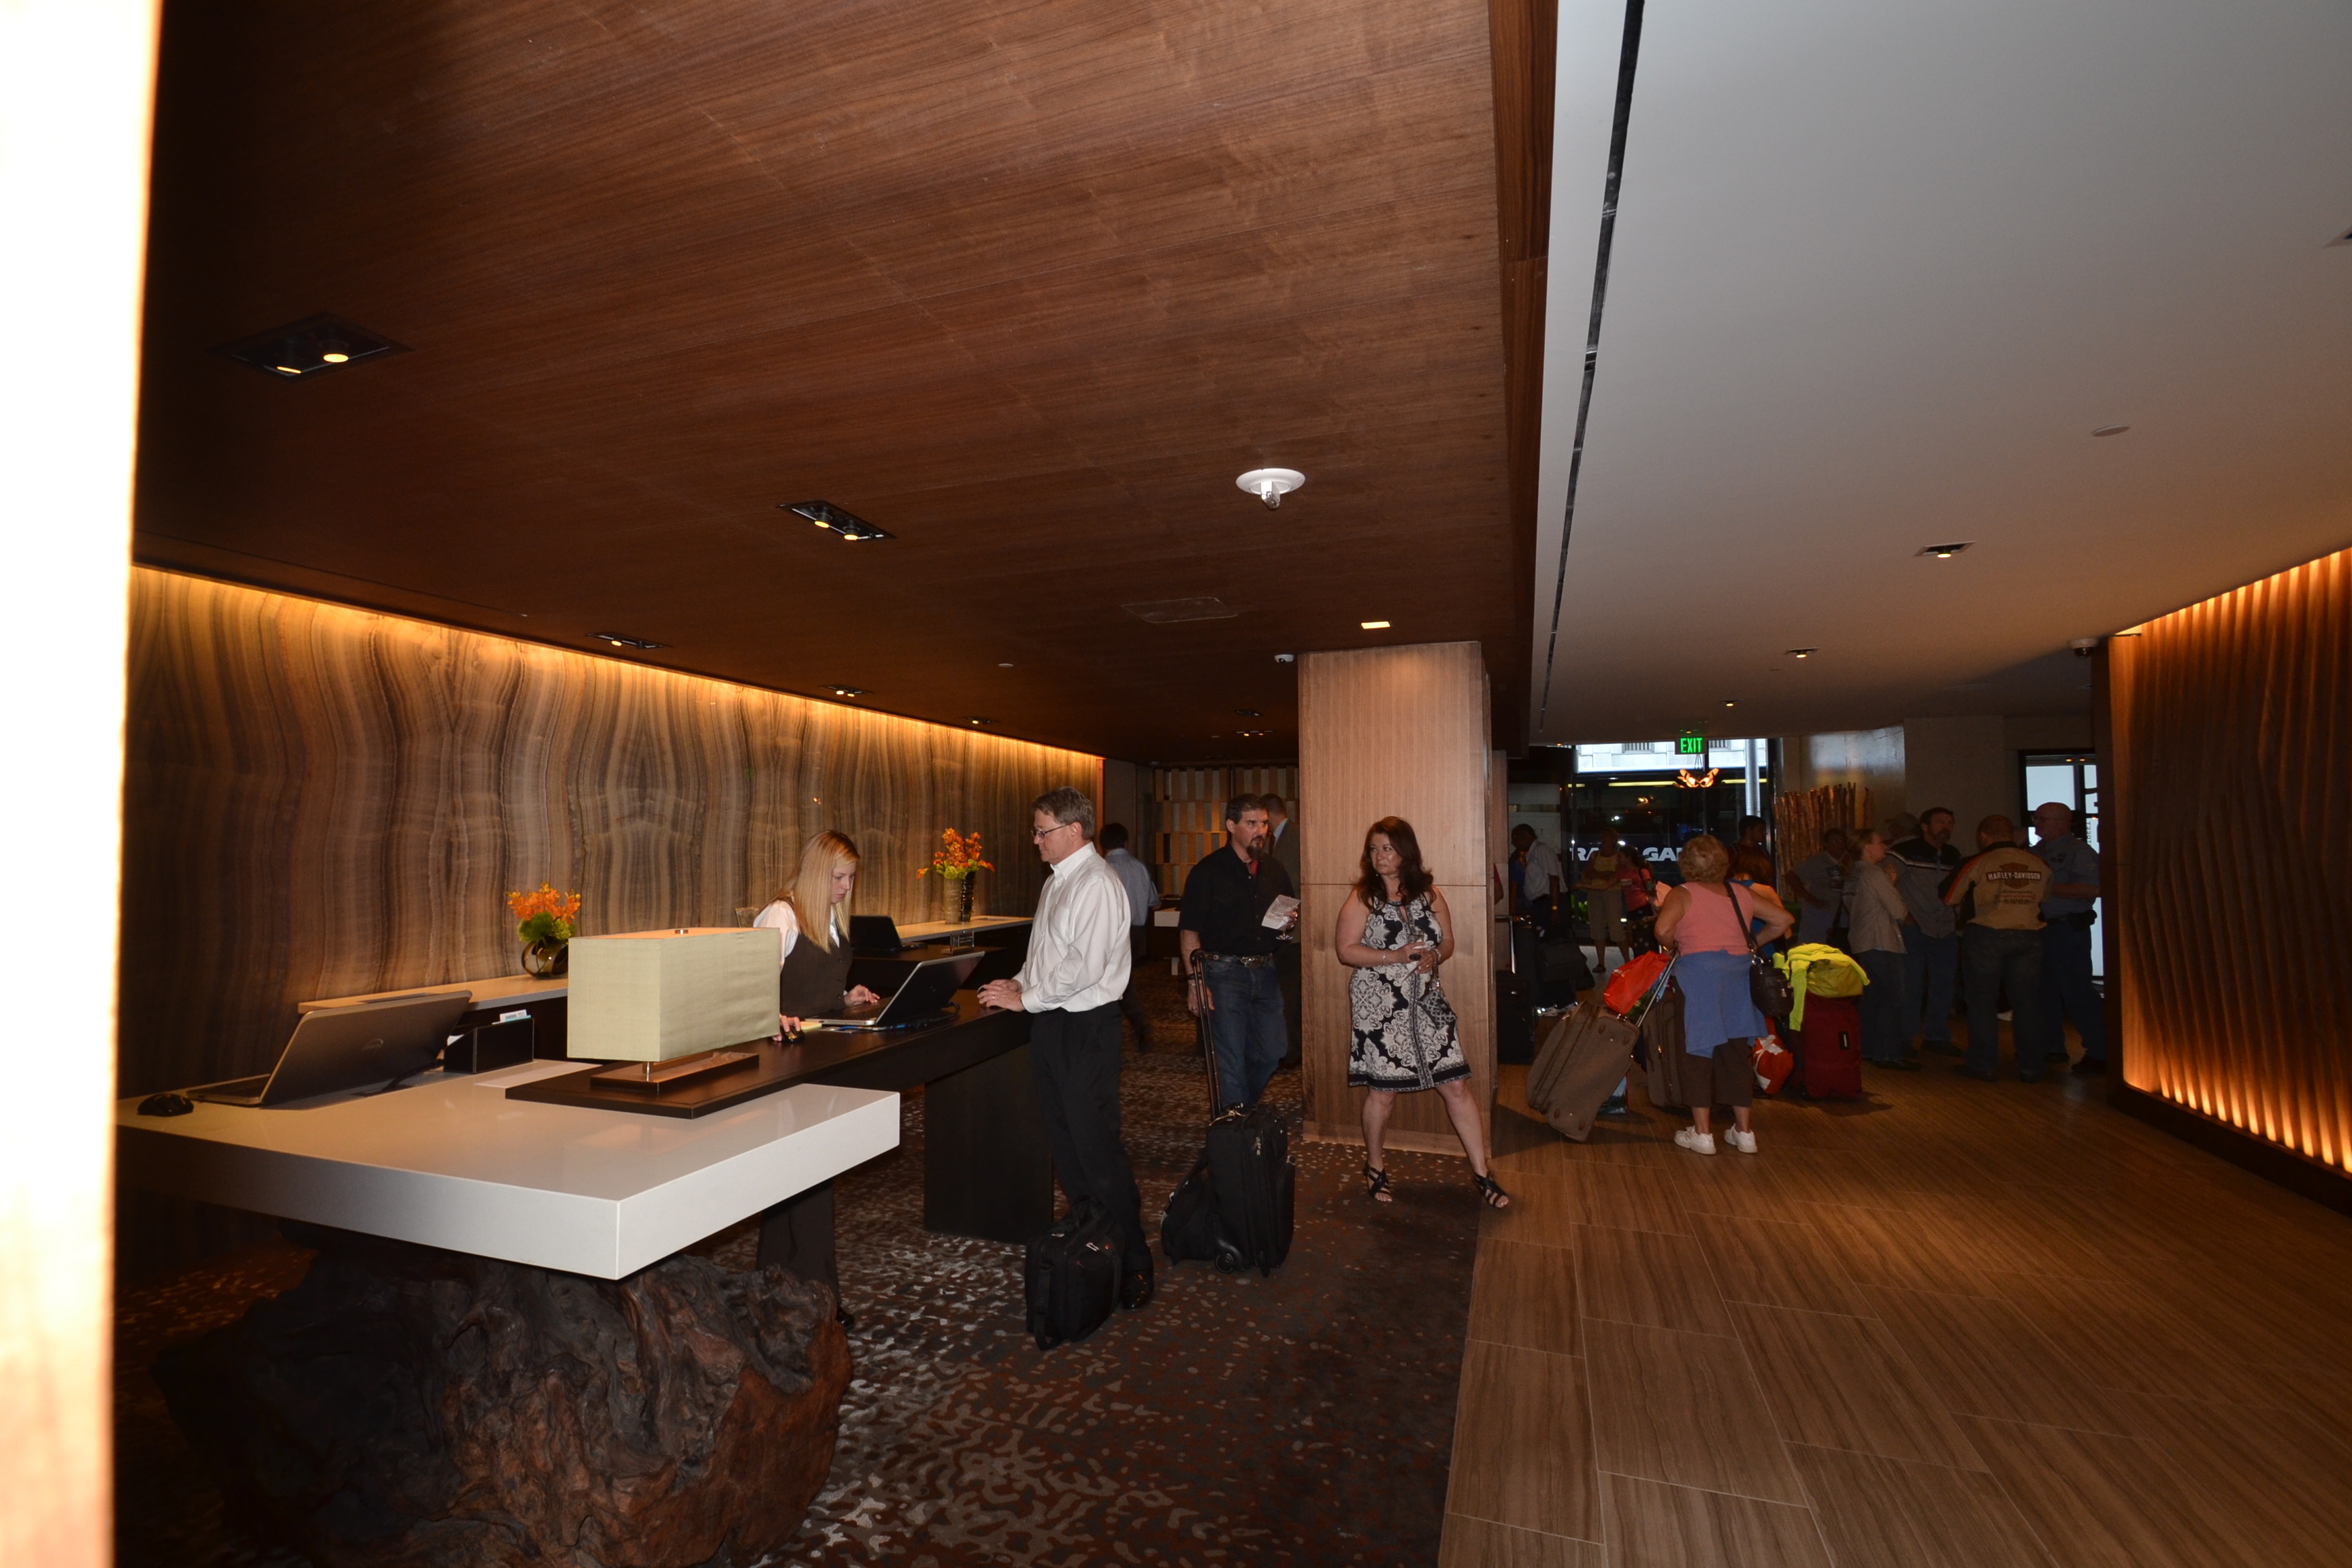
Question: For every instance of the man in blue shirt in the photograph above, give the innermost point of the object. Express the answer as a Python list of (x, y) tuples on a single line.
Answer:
[(1142, 898), (2067, 915)]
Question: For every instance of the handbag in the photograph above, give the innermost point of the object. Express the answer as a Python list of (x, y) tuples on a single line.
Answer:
[(1767, 986)]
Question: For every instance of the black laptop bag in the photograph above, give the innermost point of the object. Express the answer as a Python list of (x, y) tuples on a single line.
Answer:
[(1071, 1275)]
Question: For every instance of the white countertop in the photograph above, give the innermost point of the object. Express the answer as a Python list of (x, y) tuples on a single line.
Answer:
[(451, 1161)]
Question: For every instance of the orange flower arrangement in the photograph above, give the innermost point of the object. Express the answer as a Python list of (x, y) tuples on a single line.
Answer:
[(545, 916), (957, 858)]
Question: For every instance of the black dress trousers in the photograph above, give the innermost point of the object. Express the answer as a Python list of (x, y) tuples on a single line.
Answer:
[(1075, 1057)]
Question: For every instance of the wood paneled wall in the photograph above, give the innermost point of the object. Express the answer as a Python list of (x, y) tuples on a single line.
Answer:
[(1395, 731), (2228, 832), (322, 801)]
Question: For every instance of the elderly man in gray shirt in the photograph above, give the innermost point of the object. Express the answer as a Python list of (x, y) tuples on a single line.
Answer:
[(1931, 950)]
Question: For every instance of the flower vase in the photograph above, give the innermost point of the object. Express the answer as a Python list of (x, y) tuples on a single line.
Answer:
[(541, 960), (957, 893)]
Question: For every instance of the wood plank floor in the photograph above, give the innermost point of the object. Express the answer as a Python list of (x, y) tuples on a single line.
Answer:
[(1955, 1323)]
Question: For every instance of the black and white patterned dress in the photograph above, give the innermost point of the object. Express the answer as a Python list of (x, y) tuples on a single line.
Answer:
[(1405, 1037)]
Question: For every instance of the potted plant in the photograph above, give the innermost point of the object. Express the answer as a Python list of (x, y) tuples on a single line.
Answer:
[(953, 863), (543, 922)]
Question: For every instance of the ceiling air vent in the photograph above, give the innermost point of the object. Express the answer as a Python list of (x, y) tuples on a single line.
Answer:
[(309, 347), (1165, 612)]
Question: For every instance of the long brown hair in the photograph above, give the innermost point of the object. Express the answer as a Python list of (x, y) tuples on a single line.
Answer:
[(1413, 878), (810, 892)]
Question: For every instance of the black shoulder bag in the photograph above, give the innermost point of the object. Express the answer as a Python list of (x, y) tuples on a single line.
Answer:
[(1767, 986)]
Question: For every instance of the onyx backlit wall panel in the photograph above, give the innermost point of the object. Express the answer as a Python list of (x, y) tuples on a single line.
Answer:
[(1398, 732), (322, 802), (2229, 840)]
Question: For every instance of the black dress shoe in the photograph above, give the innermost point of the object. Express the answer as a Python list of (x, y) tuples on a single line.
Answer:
[(1135, 1289), (2090, 1067), (1970, 1072)]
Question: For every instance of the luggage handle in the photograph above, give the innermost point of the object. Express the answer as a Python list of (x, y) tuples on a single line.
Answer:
[(1208, 1037)]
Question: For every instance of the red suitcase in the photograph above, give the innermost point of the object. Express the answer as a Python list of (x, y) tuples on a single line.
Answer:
[(1830, 1039)]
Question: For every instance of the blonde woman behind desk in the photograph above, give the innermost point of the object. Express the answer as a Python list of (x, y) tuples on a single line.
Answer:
[(797, 1234), (815, 980)]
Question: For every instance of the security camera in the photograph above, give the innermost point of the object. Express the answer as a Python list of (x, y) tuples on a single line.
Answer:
[(2084, 646)]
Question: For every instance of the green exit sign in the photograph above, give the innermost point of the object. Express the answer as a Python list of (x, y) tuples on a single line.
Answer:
[(1691, 746)]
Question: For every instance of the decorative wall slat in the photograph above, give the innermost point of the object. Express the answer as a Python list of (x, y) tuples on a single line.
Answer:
[(322, 801), (2228, 837)]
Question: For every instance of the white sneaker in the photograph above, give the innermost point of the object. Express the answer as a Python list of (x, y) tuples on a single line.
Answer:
[(1743, 1142), (1696, 1141)]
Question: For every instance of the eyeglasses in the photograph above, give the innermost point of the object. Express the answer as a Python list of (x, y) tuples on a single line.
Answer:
[(1039, 834)]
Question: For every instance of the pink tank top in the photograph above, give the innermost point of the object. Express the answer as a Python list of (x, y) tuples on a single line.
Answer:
[(1709, 925)]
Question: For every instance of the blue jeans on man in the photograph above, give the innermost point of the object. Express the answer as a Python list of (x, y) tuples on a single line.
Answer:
[(1993, 962), (1929, 965), (1246, 1028), (2068, 993)]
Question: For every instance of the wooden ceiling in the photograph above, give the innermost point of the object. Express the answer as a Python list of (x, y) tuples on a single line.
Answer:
[(1025, 284)]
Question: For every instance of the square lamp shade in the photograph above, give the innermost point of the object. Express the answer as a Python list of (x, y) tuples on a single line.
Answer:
[(651, 995)]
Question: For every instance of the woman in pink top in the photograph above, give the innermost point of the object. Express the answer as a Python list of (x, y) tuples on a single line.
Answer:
[(1705, 921)]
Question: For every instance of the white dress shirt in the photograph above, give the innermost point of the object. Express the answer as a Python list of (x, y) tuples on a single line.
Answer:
[(779, 916), (1142, 894), (1078, 944)]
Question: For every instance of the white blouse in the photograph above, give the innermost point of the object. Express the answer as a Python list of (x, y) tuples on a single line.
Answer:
[(779, 916)]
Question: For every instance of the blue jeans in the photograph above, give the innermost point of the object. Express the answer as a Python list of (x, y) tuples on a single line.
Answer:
[(1929, 965), (1246, 1027), (1883, 1036), (1995, 961), (2067, 993)]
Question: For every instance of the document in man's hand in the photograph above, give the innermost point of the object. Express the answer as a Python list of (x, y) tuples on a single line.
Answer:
[(1278, 913)]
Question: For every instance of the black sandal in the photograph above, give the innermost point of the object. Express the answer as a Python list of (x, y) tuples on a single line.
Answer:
[(1376, 1186), (1490, 1190)]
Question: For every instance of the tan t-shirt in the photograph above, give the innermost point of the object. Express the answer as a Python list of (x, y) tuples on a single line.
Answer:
[(2009, 883)]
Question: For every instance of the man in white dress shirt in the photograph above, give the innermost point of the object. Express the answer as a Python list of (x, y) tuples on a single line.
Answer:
[(1070, 986)]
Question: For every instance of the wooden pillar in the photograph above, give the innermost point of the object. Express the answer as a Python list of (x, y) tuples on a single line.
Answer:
[(1394, 732)]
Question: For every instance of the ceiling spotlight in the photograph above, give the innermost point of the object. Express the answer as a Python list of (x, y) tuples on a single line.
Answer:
[(616, 640), (1802, 652), (1247, 713), (1004, 664), (1270, 485), (1731, 705), (976, 718), (2110, 429), (1373, 625), (824, 514), (1945, 551), (311, 346), (847, 690)]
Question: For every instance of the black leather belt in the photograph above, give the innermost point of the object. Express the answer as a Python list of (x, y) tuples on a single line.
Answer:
[(1250, 960)]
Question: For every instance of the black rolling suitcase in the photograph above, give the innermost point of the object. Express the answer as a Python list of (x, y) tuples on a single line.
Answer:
[(1071, 1275), (1234, 1209)]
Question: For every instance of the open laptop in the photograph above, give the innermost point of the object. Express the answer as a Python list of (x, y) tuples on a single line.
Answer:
[(336, 1048), (920, 998), (877, 935)]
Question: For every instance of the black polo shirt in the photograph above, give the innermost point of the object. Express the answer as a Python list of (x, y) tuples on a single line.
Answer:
[(1226, 902)]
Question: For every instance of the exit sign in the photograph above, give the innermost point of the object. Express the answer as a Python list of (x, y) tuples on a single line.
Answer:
[(1691, 746)]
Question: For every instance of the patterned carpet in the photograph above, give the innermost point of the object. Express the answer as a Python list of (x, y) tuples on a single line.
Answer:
[(1301, 1419)]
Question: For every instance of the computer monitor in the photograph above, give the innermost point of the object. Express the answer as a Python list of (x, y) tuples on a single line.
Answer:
[(874, 934), (336, 1048)]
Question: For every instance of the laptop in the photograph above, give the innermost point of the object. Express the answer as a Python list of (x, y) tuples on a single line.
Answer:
[(873, 933), (920, 998), (336, 1048)]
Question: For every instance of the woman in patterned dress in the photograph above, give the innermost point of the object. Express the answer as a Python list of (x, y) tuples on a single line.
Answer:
[(1394, 932)]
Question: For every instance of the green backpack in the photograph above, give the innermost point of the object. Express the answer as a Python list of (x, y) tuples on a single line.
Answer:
[(1821, 970)]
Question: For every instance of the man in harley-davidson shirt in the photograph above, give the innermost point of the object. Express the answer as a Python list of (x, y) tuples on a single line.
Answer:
[(2001, 948)]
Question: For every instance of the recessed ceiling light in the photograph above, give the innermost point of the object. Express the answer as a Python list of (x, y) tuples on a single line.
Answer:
[(1802, 652), (824, 514), (1731, 705), (1003, 663), (976, 718), (1373, 625), (1270, 485), (847, 690), (617, 640), (311, 346), (2110, 429), (1946, 552)]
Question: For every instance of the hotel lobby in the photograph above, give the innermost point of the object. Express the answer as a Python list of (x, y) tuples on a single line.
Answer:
[(511, 498)]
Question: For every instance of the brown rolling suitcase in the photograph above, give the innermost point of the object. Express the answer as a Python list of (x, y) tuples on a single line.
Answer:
[(1583, 1060), (1669, 1065)]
